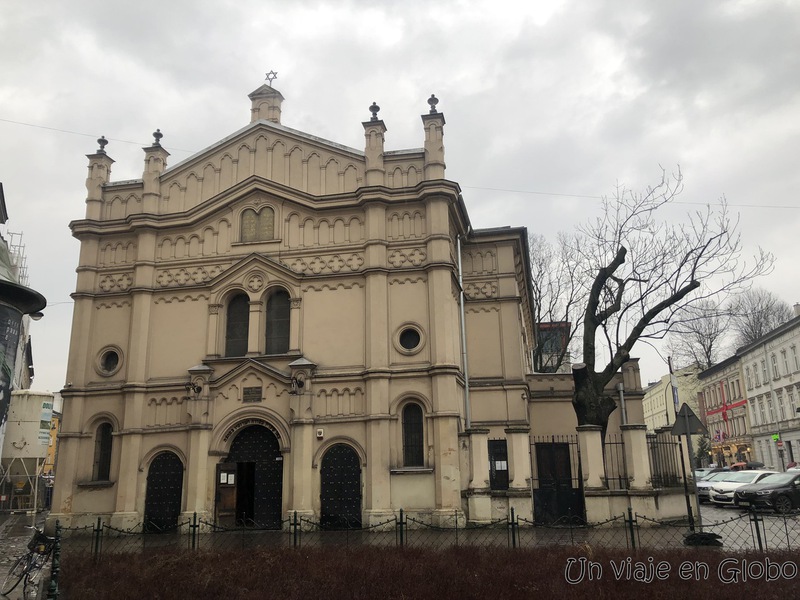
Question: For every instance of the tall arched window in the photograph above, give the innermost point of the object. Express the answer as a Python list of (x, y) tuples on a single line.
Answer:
[(101, 469), (238, 324), (258, 226), (413, 443), (278, 310)]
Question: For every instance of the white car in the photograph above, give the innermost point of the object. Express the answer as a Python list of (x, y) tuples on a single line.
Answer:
[(703, 486), (722, 490)]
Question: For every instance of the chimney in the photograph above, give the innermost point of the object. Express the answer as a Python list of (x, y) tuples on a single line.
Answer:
[(266, 104), (796, 309)]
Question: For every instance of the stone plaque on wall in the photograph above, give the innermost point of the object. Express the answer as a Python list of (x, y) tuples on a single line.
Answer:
[(251, 394)]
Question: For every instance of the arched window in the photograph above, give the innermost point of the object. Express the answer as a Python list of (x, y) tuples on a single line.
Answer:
[(278, 323), (413, 443), (238, 324), (101, 470), (258, 226)]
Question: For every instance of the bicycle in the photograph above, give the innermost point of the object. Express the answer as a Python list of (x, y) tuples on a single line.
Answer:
[(29, 566)]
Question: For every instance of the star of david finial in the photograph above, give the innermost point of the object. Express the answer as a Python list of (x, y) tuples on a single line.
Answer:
[(271, 76)]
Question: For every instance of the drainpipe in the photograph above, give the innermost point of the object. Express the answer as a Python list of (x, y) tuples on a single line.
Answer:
[(467, 415), (621, 390)]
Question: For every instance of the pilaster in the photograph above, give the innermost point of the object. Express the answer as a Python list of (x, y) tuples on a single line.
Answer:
[(636, 456), (591, 446), (374, 130), (433, 123), (99, 174), (155, 161)]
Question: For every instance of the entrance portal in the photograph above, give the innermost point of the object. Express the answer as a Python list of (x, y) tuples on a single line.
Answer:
[(162, 504), (341, 488), (250, 481)]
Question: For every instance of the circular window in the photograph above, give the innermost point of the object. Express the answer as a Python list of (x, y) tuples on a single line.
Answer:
[(108, 361), (409, 339)]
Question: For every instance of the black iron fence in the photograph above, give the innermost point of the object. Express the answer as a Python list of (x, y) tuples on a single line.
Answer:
[(664, 453), (745, 532)]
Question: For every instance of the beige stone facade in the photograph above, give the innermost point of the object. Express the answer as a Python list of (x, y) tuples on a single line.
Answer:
[(274, 326)]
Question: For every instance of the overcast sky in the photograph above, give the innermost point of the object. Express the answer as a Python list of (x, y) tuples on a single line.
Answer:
[(548, 104)]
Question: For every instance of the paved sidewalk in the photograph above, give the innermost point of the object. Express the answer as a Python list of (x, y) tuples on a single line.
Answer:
[(14, 536)]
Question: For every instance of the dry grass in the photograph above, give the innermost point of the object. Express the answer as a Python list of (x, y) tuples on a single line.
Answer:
[(403, 573)]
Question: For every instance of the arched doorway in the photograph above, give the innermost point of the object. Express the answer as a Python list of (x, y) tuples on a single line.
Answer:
[(250, 480), (162, 504), (340, 488)]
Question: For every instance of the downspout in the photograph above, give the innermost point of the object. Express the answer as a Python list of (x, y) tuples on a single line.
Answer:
[(621, 390), (467, 415)]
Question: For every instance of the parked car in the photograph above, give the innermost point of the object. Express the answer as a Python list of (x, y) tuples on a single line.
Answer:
[(722, 491), (780, 492), (703, 486), (704, 472), (741, 466)]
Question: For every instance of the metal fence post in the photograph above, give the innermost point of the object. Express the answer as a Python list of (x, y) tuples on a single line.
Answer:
[(754, 520), (98, 531), (513, 528), (630, 528), (401, 524), (455, 521), (193, 529), (52, 590), (295, 532)]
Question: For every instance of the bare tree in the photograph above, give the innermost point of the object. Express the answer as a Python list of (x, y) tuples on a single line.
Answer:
[(646, 276), (559, 293), (756, 312), (701, 335)]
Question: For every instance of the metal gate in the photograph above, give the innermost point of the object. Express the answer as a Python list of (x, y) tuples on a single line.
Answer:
[(250, 480), (162, 504), (340, 488), (557, 479)]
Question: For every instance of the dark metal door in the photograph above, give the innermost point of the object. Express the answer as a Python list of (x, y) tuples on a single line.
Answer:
[(258, 478), (341, 488), (162, 504), (557, 494)]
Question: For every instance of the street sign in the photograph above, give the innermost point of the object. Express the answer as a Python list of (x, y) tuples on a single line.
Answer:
[(780, 443), (687, 423)]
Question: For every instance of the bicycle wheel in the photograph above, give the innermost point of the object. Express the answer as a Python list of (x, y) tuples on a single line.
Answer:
[(15, 575)]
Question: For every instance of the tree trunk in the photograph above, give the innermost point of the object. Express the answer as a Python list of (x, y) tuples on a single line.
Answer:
[(592, 406)]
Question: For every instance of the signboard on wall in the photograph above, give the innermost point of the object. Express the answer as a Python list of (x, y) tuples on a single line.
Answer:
[(10, 321)]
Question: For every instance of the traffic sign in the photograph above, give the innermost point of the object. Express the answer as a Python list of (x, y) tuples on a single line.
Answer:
[(686, 423)]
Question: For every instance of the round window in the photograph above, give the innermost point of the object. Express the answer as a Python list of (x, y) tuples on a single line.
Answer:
[(410, 338), (108, 361)]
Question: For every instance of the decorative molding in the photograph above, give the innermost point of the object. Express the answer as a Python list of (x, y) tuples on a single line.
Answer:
[(171, 299), (412, 257), (295, 302), (255, 281), (402, 280), (481, 289), (187, 275), (112, 304), (340, 402), (487, 309), (116, 282), (213, 309), (332, 287), (321, 264)]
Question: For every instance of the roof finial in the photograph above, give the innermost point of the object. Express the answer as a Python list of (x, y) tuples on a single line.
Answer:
[(271, 76), (157, 135), (102, 141), (432, 102), (374, 109)]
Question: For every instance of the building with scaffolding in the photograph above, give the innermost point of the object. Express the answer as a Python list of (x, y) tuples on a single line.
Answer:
[(22, 450)]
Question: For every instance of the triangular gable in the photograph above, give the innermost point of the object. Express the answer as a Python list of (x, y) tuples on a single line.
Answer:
[(255, 264), (252, 365)]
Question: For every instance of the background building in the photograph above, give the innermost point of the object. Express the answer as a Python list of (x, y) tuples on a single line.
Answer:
[(771, 367)]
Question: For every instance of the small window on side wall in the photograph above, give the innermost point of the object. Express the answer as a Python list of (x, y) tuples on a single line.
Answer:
[(413, 441), (258, 226), (101, 470)]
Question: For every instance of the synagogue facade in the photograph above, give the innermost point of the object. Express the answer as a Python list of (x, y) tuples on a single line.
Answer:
[(281, 323)]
